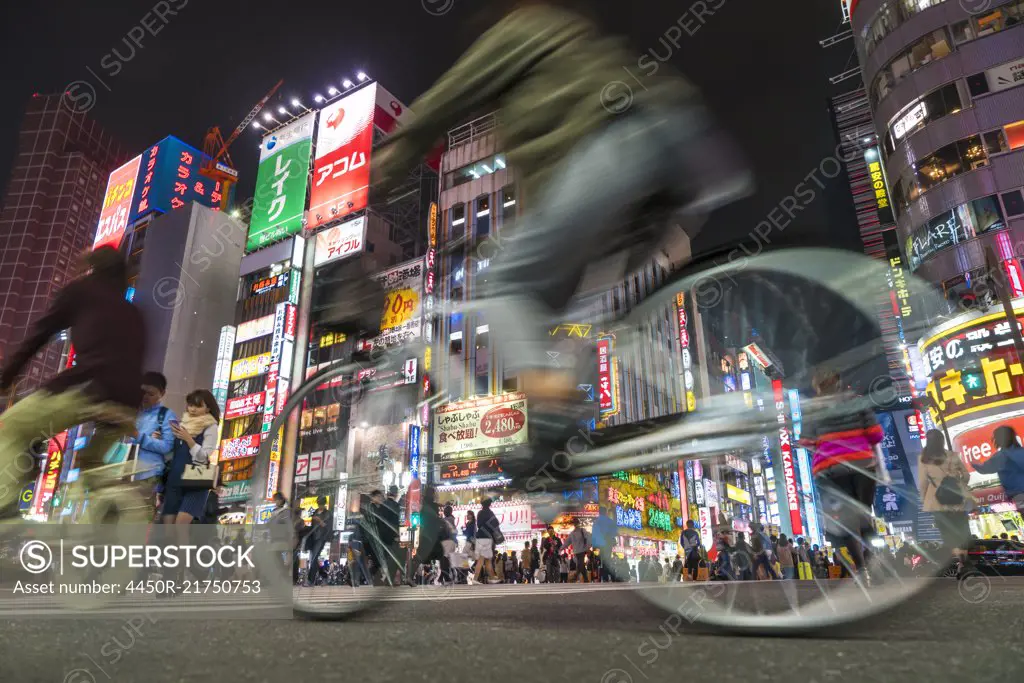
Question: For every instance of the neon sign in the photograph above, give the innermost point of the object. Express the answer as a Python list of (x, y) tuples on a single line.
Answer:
[(788, 470)]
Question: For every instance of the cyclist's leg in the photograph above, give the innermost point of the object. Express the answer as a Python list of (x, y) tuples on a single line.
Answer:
[(591, 197), (40, 415)]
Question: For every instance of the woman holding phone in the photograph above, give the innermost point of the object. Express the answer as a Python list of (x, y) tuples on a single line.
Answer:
[(195, 439)]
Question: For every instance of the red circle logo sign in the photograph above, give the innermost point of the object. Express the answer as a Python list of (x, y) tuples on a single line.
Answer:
[(501, 422), (975, 445)]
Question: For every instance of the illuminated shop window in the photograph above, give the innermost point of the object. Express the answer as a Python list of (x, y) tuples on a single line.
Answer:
[(922, 111), (947, 162), (953, 227)]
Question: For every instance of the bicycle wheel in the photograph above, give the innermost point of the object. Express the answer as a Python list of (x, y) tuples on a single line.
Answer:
[(320, 601), (812, 313)]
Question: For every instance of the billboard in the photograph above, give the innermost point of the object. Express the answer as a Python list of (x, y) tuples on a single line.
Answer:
[(341, 171), (242, 447), (242, 406), (253, 329), (252, 366), (281, 180), (340, 241), (169, 178), (643, 505), (117, 204), (971, 365), (488, 422), (403, 308)]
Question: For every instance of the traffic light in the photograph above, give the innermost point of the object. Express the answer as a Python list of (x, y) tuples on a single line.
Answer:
[(974, 381), (415, 520)]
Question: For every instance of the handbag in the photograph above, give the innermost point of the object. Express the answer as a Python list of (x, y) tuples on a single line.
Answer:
[(703, 573), (948, 492), (199, 476)]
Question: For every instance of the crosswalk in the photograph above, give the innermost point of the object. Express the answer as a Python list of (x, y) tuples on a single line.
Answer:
[(12, 605)]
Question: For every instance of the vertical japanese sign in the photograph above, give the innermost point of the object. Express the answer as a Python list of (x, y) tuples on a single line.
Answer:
[(222, 372), (788, 470), (804, 462), (171, 178), (414, 450), (280, 197), (606, 377), (341, 171), (282, 315), (878, 189), (117, 204), (684, 347), (55, 450)]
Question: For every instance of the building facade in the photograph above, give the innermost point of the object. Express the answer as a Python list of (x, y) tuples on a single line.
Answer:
[(49, 216), (943, 83)]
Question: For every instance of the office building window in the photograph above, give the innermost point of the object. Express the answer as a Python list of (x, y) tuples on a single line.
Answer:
[(482, 215), (482, 360), (509, 206), (457, 229)]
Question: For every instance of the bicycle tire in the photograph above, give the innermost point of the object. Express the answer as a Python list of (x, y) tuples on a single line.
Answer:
[(317, 603), (852, 277)]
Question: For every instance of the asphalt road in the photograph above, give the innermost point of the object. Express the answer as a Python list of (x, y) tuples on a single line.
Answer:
[(505, 633)]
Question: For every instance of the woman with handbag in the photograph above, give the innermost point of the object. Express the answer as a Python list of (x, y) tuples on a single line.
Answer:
[(942, 483), (191, 475)]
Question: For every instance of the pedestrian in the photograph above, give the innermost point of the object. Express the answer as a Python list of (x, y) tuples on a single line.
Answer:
[(761, 545), (563, 568), (724, 549), (689, 541), (1008, 463), (805, 571), (488, 537), (1004, 536), (942, 485), (195, 441), (845, 438), (322, 524), (579, 540), (743, 558), (534, 560), (787, 558), (551, 546), (469, 532), (153, 434), (526, 560), (103, 387), (677, 568)]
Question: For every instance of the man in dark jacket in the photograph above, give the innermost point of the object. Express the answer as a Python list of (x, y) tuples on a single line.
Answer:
[(587, 154), (104, 386)]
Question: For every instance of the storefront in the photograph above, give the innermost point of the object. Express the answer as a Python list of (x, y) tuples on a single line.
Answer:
[(647, 514), (975, 383)]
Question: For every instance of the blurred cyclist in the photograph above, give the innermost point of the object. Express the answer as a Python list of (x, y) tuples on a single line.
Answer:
[(104, 387), (591, 150), (844, 465)]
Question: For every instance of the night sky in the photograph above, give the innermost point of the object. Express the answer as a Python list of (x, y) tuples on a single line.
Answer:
[(759, 65)]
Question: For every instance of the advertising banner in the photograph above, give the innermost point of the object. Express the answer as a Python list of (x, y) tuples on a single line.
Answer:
[(512, 519), (455, 472), (971, 365), (242, 447), (170, 178), (234, 491), (643, 505), (402, 319), (341, 171), (117, 204), (486, 422), (606, 380), (340, 241), (253, 366), (1005, 75), (253, 329), (280, 195), (244, 405)]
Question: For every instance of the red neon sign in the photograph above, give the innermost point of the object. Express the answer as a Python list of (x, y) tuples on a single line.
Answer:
[(788, 470)]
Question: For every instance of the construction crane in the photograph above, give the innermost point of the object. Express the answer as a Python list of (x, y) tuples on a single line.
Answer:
[(220, 167)]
